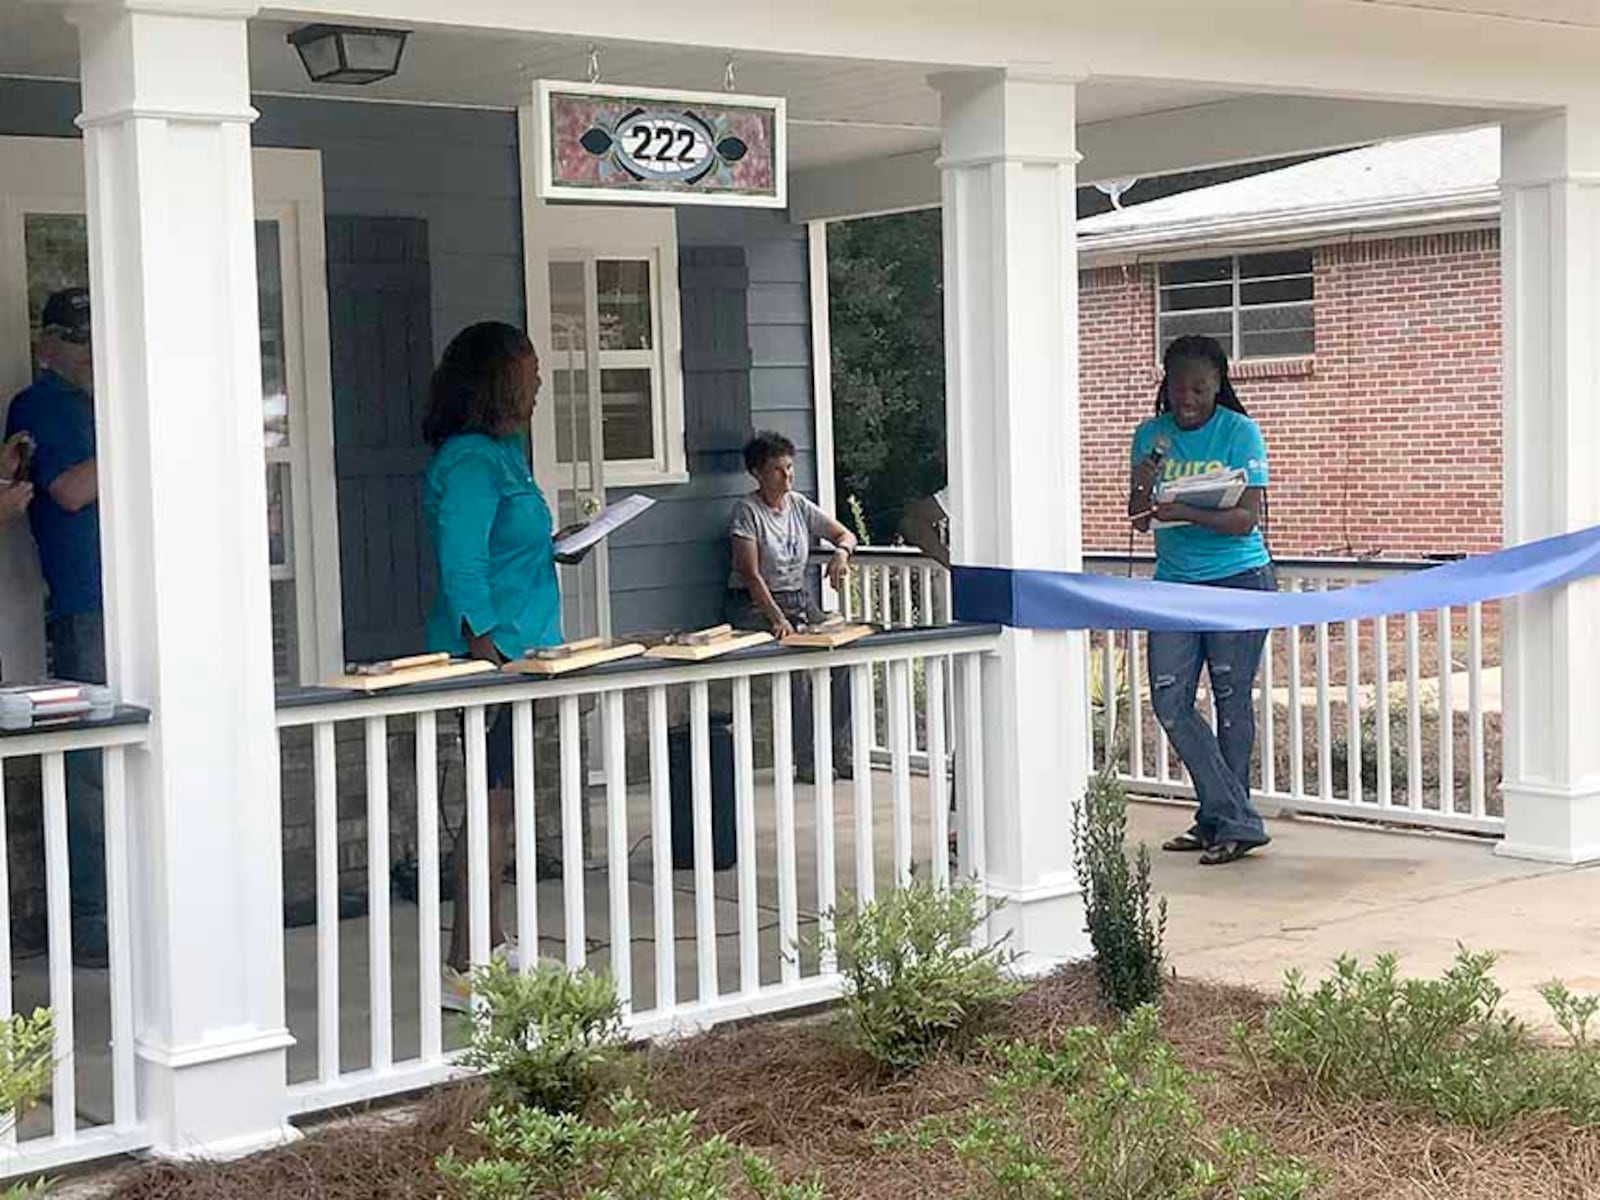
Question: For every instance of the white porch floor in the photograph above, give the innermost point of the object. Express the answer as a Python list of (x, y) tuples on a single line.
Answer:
[(1319, 891)]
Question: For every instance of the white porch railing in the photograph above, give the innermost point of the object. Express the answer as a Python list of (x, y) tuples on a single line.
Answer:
[(1423, 749), (91, 1108), (686, 950), (1385, 719)]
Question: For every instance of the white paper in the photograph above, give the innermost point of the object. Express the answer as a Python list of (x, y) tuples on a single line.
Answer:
[(607, 521), (1215, 490)]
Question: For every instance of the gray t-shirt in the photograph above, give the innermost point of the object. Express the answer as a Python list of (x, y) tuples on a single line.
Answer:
[(783, 539)]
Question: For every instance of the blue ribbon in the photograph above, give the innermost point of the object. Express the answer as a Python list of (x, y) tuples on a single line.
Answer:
[(1068, 600)]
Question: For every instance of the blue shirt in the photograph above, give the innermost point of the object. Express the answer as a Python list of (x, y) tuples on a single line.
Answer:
[(60, 419), (1228, 441), (491, 536)]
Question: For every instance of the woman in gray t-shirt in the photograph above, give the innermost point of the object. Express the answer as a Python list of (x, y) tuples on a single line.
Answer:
[(772, 532)]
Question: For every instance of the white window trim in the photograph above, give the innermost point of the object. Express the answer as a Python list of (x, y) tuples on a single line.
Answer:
[(556, 231), (288, 189), (1235, 306), (668, 464)]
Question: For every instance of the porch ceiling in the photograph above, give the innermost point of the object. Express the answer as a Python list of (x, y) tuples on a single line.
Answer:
[(1556, 12), (840, 110)]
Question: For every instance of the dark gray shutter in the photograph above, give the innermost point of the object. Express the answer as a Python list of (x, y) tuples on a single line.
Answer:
[(713, 291), (380, 313)]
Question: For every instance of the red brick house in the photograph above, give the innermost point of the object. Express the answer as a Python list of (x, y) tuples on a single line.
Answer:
[(1359, 297)]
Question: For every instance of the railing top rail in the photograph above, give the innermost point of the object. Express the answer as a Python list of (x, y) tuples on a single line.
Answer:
[(308, 706), (126, 725)]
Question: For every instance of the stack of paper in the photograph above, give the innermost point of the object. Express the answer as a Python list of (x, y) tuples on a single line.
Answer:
[(1214, 490)]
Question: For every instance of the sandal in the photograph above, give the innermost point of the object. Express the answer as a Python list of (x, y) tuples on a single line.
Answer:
[(1184, 843), (1227, 852)]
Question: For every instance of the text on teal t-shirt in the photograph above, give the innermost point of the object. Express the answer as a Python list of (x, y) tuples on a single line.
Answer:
[(1228, 441), (491, 534)]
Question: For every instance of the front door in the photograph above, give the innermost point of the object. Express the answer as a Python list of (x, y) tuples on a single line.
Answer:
[(44, 247)]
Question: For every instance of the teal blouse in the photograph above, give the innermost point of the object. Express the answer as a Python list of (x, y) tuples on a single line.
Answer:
[(491, 534)]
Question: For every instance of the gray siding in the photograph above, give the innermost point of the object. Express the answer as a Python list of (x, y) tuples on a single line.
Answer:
[(457, 169), (454, 168), (670, 569)]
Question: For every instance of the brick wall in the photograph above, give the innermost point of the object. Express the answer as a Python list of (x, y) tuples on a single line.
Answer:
[(1388, 438)]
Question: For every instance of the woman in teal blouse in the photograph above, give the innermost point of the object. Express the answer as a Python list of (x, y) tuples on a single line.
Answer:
[(497, 596)]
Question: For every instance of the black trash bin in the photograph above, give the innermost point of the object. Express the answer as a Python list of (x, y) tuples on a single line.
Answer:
[(680, 771)]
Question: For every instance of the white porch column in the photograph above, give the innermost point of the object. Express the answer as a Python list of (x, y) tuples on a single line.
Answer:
[(166, 121), (1011, 358), (1550, 230)]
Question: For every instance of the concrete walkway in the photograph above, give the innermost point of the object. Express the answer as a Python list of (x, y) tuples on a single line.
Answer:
[(1322, 889)]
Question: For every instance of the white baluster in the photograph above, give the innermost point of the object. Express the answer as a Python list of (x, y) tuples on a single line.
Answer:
[(661, 854), (1447, 714), (527, 834), (938, 774), (1324, 711), (478, 946), (572, 792), (1476, 789), (783, 812), (326, 782), (1269, 721), (1297, 724), (432, 1040), (1380, 633), (861, 719), (58, 892), (1352, 692), (744, 799), (380, 1000), (705, 900), (124, 1090), (616, 765), (1413, 713), (823, 798), (900, 766)]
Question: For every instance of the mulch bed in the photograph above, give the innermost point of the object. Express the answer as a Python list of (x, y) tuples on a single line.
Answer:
[(794, 1092)]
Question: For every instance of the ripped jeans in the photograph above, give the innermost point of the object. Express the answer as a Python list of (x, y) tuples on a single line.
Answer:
[(1219, 763)]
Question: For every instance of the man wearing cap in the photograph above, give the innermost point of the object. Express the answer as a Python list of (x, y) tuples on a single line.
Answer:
[(56, 417)]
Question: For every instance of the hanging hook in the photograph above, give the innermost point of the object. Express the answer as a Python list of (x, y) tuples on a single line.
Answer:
[(594, 64), (727, 75)]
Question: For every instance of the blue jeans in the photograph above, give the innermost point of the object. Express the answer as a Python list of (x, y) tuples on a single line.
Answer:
[(1219, 763), (77, 651)]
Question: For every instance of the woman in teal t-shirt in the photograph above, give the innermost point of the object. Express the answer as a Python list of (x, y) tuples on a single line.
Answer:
[(497, 596), (1200, 426)]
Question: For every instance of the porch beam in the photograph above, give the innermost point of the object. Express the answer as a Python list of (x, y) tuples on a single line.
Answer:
[(1246, 129), (1011, 371), (1551, 271), (1389, 52), (166, 121)]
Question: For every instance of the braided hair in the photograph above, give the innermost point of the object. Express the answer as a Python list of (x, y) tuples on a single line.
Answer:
[(1197, 348)]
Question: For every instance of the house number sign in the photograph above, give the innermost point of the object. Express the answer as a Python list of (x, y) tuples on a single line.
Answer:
[(640, 145)]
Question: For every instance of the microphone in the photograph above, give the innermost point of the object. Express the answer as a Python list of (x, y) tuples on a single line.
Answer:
[(1158, 451)]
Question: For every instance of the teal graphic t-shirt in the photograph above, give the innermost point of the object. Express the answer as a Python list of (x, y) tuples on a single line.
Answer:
[(1228, 441)]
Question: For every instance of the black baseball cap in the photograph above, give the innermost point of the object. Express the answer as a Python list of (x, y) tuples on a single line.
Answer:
[(66, 313)]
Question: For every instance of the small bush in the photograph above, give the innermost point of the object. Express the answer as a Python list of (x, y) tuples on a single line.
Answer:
[(1440, 1046), (636, 1155), (550, 1039), (1138, 1130), (914, 983), (27, 1056), (1125, 930)]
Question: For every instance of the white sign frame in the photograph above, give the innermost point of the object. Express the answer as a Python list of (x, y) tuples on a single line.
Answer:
[(549, 189)]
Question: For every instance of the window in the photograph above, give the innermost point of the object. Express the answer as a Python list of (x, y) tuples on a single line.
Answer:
[(606, 313), (1256, 305)]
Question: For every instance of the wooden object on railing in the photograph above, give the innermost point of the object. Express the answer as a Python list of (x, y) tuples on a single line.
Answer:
[(433, 671), (706, 643), (573, 656), (830, 635)]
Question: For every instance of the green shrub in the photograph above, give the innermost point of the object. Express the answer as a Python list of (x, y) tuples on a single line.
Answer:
[(551, 1038), (914, 982), (1138, 1130), (1441, 1046), (27, 1056), (1125, 930), (636, 1155)]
